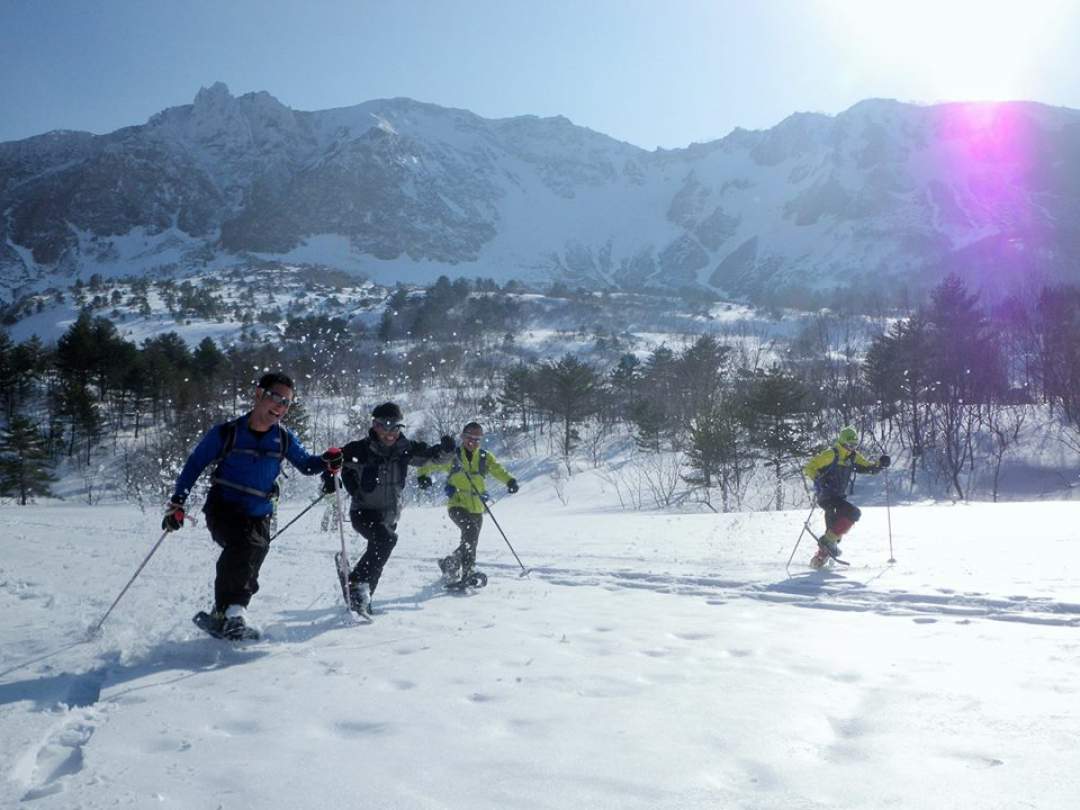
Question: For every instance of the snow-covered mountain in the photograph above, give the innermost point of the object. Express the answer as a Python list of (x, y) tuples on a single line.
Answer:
[(401, 190)]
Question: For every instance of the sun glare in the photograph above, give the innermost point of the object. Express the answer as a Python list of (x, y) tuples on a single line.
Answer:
[(947, 50)]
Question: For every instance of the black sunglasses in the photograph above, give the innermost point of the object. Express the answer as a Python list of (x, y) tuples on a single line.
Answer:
[(387, 425), (278, 398)]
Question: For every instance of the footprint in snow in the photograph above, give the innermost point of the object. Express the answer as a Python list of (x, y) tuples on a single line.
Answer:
[(43, 770)]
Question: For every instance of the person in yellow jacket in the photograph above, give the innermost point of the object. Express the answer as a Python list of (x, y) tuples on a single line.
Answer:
[(831, 471), (467, 495)]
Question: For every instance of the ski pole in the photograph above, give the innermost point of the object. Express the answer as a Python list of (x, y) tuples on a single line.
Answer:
[(888, 515), (888, 504), (97, 627), (524, 570), (343, 559), (291, 522), (804, 530)]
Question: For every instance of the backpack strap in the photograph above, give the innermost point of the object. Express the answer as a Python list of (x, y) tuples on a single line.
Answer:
[(228, 446), (833, 467), (228, 440), (481, 466)]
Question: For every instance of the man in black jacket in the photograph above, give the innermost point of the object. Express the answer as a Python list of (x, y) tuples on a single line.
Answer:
[(374, 474)]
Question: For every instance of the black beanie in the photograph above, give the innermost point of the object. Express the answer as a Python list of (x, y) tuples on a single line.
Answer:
[(388, 411)]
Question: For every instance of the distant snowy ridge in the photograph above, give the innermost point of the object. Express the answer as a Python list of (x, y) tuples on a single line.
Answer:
[(882, 194)]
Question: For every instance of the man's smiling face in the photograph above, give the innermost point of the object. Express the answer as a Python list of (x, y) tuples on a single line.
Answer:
[(387, 430), (271, 405)]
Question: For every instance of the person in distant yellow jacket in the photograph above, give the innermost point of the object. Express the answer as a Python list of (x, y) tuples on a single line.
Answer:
[(831, 471), (467, 495)]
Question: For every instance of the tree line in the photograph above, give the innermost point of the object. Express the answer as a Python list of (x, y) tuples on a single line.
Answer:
[(949, 385)]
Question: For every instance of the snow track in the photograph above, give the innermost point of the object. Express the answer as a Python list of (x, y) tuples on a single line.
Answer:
[(830, 590)]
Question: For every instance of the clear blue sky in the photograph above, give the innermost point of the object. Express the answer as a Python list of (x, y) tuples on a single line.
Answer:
[(649, 72)]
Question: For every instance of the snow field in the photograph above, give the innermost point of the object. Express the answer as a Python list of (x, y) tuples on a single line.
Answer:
[(648, 660)]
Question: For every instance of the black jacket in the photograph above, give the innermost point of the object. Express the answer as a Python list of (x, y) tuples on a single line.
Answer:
[(375, 474)]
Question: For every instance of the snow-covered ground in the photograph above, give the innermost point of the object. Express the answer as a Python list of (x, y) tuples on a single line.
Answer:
[(647, 661)]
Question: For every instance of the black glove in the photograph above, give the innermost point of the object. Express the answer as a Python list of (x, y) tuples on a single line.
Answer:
[(512, 486), (329, 484), (174, 517), (884, 461), (450, 490), (333, 458), (423, 481), (446, 444)]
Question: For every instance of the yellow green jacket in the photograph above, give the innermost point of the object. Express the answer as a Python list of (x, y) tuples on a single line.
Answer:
[(832, 468), (480, 464)]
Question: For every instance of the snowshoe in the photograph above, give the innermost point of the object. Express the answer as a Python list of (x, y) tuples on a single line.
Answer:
[(353, 599), (231, 629), (472, 579), (823, 556)]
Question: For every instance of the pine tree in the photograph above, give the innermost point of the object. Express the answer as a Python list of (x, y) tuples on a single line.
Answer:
[(207, 361), (701, 374), (717, 454), (898, 374), (24, 469), (623, 381), (780, 419), (28, 364), (7, 349), (650, 424), (969, 373), (656, 403), (516, 393), (567, 389)]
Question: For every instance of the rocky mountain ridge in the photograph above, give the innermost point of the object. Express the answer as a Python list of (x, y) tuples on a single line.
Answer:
[(882, 194)]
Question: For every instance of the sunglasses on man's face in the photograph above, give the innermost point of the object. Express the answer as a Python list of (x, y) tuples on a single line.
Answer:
[(387, 425), (468, 437), (278, 398)]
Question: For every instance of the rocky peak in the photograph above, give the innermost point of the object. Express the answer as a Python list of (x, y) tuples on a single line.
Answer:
[(213, 98)]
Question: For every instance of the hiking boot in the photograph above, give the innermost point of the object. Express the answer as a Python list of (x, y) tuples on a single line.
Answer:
[(234, 625), (830, 545), (450, 566), (360, 597)]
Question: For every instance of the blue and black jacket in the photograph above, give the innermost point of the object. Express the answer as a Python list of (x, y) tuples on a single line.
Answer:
[(247, 465)]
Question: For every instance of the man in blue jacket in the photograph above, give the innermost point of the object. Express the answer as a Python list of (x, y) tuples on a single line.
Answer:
[(248, 453)]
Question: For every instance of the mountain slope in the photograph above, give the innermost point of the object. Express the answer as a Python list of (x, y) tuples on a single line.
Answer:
[(402, 190)]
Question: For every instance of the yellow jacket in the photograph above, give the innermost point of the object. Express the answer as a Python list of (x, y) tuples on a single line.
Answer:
[(465, 469), (832, 468)]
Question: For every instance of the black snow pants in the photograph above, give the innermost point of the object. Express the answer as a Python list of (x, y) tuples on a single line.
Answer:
[(381, 538), (470, 525), (244, 542)]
